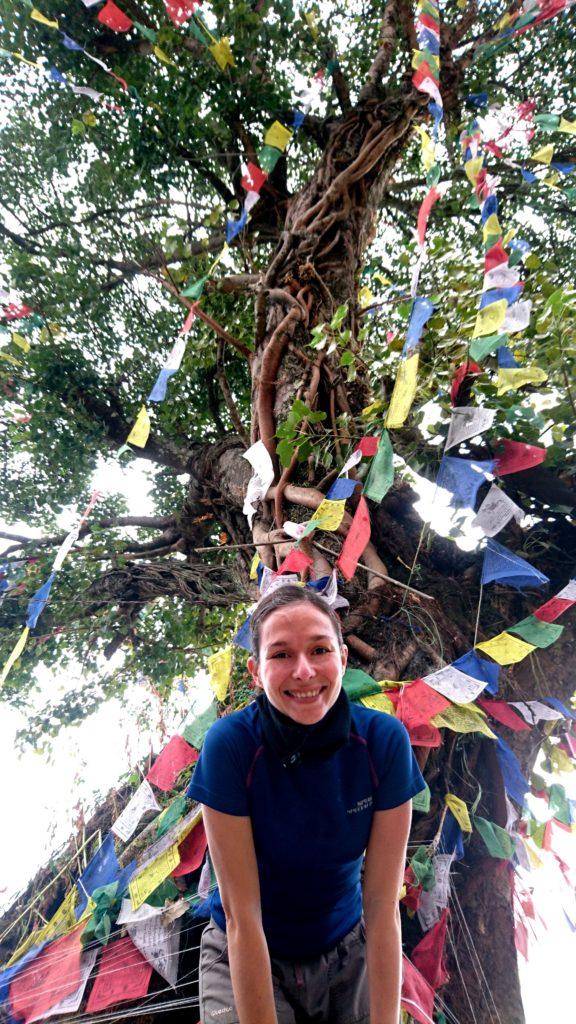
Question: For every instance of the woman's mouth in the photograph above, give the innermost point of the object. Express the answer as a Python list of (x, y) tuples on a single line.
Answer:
[(305, 696)]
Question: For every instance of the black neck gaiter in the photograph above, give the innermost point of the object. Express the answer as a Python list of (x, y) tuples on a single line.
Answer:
[(293, 742)]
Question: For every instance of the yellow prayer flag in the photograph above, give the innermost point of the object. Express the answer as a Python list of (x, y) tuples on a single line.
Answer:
[(365, 297), (491, 227), (428, 148), (418, 56), (165, 58), (153, 875), (222, 53), (38, 16), (64, 920), (551, 180), (11, 359), (506, 649), (560, 760), (459, 810), (20, 645), (505, 20), (459, 718), (310, 19), (490, 319), (253, 567), (31, 940), (21, 342), (545, 154), (277, 136), (90, 118), (330, 512), (567, 126), (510, 234), (220, 666), (473, 168), (213, 265), (141, 429), (379, 702), (404, 391), (514, 377), (30, 63), (462, 4)]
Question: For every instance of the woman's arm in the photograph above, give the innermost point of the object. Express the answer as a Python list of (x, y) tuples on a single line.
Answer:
[(231, 845), (383, 875)]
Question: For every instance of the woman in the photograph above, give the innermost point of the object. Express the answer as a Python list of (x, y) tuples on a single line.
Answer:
[(296, 787)]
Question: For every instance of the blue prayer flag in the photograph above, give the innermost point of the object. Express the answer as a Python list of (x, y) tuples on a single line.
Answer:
[(158, 393), (38, 601), (342, 488), (528, 176), (463, 478), (56, 75), (473, 665), (519, 245), (298, 121), (489, 207), (421, 312), (70, 44), (505, 358), (496, 294), (243, 638), (563, 168), (451, 837), (234, 227), (514, 782), (428, 40), (555, 703), (102, 869), (504, 567), (477, 99)]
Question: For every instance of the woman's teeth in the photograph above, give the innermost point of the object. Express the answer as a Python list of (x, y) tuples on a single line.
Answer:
[(304, 694)]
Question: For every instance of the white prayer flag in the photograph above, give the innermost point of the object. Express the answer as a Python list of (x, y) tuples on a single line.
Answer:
[(159, 943), (468, 421), (568, 593), (501, 277), (433, 903), (517, 317), (142, 801), (496, 511), (455, 685), (258, 484)]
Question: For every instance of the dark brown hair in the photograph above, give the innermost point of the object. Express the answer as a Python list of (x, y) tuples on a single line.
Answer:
[(279, 598)]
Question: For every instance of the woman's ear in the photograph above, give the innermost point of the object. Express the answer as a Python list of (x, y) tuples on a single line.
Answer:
[(252, 666), (344, 656)]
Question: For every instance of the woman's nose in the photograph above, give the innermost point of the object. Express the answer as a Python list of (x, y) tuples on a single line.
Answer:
[(304, 668)]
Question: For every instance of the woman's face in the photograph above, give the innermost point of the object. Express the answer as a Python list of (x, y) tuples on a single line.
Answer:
[(301, 662)]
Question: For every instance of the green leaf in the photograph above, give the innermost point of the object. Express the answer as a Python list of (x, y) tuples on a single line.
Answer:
[(339, 316), (285, 451)]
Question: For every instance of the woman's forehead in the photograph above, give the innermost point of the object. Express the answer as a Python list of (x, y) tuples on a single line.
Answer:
[(296, 620)]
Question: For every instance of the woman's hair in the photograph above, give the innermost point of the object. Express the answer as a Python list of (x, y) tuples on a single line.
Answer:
[(280, 598)]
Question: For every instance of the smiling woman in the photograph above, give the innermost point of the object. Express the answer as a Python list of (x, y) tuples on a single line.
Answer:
[(300, 790)]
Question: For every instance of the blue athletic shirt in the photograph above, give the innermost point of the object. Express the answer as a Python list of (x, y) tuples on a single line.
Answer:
[(311, 822)]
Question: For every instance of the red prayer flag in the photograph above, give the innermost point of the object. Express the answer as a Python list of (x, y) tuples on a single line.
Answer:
[(368, 446), (180, 11), (422, 73), (425, 735), (495, 256), (176, 755), (111, 16), (123, 974), (49, 978), (295, 561), (553, 608), (356, 540), (424, 212), (192, 851), (417, 995), (512, 456), (503, 713), (413, 890), (428, 955), (468, 369), (418, 703), (254, 178), (15, 312), (521, 936), (429, 22)]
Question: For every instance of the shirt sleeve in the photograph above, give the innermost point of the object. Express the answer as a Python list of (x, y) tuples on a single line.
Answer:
[(399, 777), (219, 778)]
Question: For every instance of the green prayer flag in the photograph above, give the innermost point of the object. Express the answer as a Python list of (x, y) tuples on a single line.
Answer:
[(268, 157), (537, 833), (534, 631), (433, 176), (148, 33), (559, 804), (482, 347), (171, 815), (515, 257), (423, 869), (421, 801), (104, 913), (498, 841), (195, 732), (195, 289), (167, 890), (381, 473), (195, 30), (358, 684), (549, 122)]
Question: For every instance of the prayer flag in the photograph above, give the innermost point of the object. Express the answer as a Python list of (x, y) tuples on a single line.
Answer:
[(253, 178), (341, 489), (417, 996), (535, 711), (143, 800), (503, 566), (433, 903), (553, 608), (497, 840), (222, 53), (490, 319), (38, 601), (180, 11), (537, 632), (111, 16), (19, 647), (417, 703), (192, 851), (139, 434), (503, 713), (431, 197), (473, 665), (329, 514), (152, 875), (422, 310), (428, 955), (513, 456), (358, 683), (506, 649), (356, 540), (463, 478), (259, 458), (454, 684), (102, 869), (495, 256), (466, 422), (459, 810), (220, 667), (514, 782), (517, 316), (157, 940), (195, 731), (172, 759), (404, 391), (123, 974), (71, 1003), (468, 369), (512, 379), (277, 136), (544, 154), (496, 511), (295, 561), (50, 977), (42, 19), (381, 473), (464, 719), (501, 276), (480, 348)]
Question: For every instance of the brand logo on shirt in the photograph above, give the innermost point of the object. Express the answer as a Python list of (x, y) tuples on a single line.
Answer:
[(361, 805)]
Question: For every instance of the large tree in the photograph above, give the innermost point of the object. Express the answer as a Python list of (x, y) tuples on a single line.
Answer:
[(113, 207)]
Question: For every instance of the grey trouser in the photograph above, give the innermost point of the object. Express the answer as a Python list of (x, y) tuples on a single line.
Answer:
[(327, 989)]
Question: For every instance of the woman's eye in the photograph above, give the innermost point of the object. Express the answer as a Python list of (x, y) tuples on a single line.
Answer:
[(280, 654), (321, 650)]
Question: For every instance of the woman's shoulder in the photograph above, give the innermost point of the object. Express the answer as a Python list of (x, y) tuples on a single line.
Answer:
[(368, 722)]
